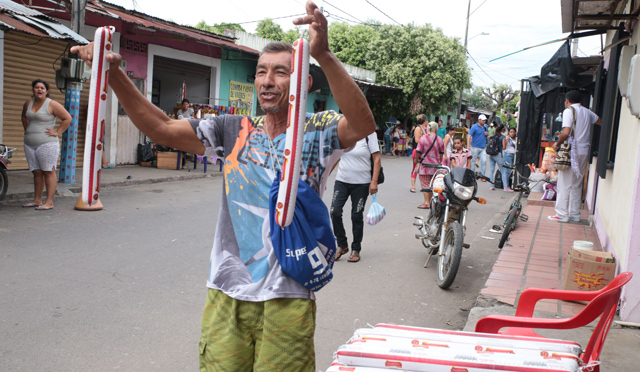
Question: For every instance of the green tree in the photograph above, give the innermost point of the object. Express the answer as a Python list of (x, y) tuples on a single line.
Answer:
[(293, 35), (268, 29), (476, 98), (499, 96), (429, 66), (350, 43), (218, 28)]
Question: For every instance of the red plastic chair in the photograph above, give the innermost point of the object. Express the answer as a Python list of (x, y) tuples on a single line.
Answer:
[(602, 303)]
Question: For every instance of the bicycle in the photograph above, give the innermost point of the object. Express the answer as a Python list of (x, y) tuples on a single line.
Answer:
[(515, 210)]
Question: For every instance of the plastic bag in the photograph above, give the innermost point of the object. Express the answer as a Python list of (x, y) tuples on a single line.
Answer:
[(549, 192), (549, 160), (306, 249), (376, 212)]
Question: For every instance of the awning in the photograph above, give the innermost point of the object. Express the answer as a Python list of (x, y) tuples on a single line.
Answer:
[(147, 21), (20, 18), (578, 15)]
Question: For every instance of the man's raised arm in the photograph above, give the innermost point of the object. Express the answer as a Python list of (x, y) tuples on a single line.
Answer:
[(358, 121), (146, 116)]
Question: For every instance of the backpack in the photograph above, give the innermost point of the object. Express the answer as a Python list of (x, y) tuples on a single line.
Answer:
[(494, 145)]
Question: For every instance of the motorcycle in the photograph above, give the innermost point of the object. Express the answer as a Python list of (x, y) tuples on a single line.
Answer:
[(442, 231), (5, 155)]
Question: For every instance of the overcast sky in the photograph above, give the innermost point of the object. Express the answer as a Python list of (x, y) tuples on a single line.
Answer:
[(511, 24)]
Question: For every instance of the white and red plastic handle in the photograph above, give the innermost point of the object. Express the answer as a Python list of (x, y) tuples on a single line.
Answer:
[(94, 143), (298, 90)]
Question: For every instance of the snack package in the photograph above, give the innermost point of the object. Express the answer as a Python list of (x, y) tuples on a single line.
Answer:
[(549, 160)]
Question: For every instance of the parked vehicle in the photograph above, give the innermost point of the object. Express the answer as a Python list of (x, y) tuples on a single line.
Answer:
[(442, 231), (515, 210), (5, 155)]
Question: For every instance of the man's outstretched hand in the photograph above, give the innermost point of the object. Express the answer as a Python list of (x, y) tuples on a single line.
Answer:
[(318, 31), (86, 53)]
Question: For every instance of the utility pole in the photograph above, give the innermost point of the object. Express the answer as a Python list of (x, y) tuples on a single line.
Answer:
[(69, 148), (466, 34)]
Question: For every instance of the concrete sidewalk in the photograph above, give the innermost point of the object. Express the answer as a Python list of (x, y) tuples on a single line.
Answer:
[(21, 181), (534, 257)]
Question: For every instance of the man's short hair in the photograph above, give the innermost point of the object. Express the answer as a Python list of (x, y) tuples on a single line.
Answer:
[(277, 47), (421, 118), (573, 96), (459, 138)]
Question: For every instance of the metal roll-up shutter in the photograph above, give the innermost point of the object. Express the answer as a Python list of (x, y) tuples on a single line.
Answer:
[(28, 57)]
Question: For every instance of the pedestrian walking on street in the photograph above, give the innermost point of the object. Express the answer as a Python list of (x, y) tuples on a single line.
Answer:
[(42, 142), (569, 190), (430, 150), (509, 147), (448, 144), (494, 152), (478, 140), (355, 180), (419, 131), (253, 308)]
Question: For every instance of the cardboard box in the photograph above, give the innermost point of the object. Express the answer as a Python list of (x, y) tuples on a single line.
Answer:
[(168, 160), (588, 270)]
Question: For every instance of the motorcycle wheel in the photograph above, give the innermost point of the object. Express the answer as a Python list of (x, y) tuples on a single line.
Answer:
[(4, 183), (449, 262), (508, 227)]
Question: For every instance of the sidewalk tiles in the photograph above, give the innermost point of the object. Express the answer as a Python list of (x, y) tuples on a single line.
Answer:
[(533, 257)]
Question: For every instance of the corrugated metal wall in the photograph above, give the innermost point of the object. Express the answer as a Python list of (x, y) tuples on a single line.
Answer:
[(26, 58)]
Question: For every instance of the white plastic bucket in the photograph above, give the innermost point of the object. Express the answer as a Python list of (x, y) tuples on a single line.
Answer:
[(583, 244)]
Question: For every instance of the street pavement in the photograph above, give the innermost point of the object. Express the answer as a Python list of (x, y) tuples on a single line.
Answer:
[(389, 248)]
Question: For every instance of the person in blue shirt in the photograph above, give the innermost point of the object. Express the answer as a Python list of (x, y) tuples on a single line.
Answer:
[(387, 139), (478, 139)]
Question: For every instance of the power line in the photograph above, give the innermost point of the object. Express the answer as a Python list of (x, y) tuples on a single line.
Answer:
[(343, 12), (289, 16), (481, 69), (383, 12)]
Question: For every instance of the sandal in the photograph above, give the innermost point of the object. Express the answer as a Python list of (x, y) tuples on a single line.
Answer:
[(423, 206), (341, 252), (30, 205), (412, 189), (355, 256)]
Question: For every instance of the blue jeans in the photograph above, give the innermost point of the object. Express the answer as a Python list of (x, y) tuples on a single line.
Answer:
[(504, 172), (387, 143), (508, 160), (478, 152)]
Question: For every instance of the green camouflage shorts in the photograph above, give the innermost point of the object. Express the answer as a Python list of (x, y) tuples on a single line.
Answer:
[(274, 335)]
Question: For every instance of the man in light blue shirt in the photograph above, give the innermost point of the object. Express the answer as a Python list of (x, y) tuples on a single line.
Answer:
[(478, 139)]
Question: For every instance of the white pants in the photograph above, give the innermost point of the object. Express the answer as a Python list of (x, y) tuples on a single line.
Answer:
[(569, 189), (478, 153)]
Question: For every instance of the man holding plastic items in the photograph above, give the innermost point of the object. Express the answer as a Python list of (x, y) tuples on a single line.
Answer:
[(569, 187), (256, 317), (478, 140)]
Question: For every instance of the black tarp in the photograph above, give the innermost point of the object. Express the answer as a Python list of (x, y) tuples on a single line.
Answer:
[(543, 100)]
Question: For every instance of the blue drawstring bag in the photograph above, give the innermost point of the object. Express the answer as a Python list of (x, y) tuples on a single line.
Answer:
[(306, 249)]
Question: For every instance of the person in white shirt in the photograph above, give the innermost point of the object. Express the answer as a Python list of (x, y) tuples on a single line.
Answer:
[(355, 180), (569, 189), (186, 112)]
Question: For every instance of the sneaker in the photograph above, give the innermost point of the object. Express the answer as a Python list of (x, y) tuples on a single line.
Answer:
[(556, 218), (508, 190), (575, 219), (492, 188)]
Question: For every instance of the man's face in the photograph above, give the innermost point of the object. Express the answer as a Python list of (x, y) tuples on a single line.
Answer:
[(481, 122), (272, 81), (457, 143)]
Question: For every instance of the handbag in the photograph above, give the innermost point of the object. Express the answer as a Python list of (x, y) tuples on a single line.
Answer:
[(381, 174), (306, 249), (563, 160)]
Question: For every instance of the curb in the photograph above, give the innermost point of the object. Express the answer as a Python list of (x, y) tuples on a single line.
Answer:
[(70, 191)]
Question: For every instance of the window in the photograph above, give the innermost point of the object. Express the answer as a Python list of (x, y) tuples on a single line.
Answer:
[(611, 104)]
